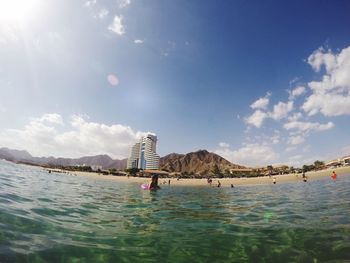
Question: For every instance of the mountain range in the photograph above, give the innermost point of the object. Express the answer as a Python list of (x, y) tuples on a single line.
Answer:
[(99, 160), (199, 162)]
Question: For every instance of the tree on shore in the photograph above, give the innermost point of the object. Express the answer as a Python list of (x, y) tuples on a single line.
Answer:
[(318, 164), (307, 168), (132, 171), (270, 169)]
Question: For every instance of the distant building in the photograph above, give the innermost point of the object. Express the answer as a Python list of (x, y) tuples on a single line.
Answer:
[(143, 154), (346, 160), (334, 163)]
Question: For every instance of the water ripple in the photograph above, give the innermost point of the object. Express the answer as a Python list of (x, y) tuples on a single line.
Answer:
[(62, 218)]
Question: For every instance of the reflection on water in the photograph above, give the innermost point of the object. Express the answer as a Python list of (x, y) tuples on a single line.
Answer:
[(61, 218)]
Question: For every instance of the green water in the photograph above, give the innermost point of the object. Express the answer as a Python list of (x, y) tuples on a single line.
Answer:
[(61, 218)]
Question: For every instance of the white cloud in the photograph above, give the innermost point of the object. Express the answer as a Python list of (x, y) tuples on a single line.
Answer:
[(117, 26), (43, 137), (294, 80), (50, 118), (250, 155), (300, 130), (296, 116), (102, 13), (124, 3), (90, 3), (291, 148), (331, 95), (257, 118), (329, 104), (308, 126), (319, 57), (224, 145), (300, 90), (281, 110), (261, 103), (138, 41), (296, 160), (275, 139), (295, 140)]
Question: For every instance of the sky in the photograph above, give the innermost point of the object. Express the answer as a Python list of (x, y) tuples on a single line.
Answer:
[(257, 82)]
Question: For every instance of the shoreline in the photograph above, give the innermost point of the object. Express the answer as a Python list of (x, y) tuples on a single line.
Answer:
[(225, 182)]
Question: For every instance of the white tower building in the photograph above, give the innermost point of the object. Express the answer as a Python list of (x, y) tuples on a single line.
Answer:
[(143, 154)]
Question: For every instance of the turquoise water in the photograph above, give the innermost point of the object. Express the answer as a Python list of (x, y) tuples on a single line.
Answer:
[(62, 218)]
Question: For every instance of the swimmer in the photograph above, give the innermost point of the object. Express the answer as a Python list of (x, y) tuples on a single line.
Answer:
[(154, 184), (334, 176)]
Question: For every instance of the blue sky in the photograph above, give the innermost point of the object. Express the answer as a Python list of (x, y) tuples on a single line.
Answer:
[(258, 82)]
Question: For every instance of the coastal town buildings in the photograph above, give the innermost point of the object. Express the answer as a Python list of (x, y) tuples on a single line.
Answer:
[(343, 161), (143, 154)]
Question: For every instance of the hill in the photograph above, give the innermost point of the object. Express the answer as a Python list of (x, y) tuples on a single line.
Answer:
[(199, 162), (98, 160)]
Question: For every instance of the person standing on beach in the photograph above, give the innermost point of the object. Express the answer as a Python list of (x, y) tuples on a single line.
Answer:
[(219, 184), (334, 176)]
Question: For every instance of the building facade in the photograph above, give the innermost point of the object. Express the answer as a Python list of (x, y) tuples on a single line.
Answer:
[(143, 154)]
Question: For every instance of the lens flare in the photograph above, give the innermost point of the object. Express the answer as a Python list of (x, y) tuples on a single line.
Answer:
[(113, 80), (17, 10)]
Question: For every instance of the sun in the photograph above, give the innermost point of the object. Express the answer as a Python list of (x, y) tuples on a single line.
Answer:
[(17, 10)]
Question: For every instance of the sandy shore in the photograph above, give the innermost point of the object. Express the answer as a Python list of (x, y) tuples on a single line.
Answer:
[(225, 182)]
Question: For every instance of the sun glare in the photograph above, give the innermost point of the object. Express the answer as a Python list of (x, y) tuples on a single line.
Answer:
[(17, 10)]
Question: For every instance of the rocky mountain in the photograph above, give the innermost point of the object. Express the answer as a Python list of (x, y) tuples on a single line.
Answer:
[(13, 155), (99, 160), (200, 162)]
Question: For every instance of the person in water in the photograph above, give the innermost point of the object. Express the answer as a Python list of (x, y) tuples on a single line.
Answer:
[(154, 184), (304, 177), (334, 176), (274, 180), (219, 184)]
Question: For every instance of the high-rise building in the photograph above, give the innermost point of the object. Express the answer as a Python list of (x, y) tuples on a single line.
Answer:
[(143, 154)]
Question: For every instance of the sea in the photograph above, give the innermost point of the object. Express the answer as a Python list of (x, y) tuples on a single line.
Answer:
[(55, 217)]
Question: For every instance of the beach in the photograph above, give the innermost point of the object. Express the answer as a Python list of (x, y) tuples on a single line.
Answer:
[(225, 182)]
